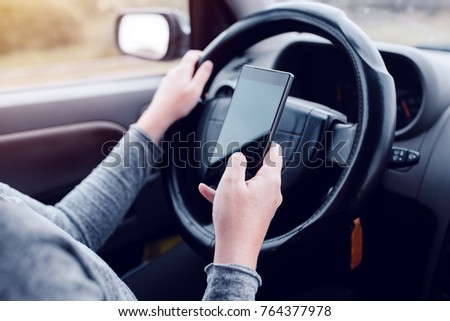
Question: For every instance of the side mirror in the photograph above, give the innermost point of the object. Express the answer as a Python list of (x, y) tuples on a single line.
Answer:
[(153, 35)]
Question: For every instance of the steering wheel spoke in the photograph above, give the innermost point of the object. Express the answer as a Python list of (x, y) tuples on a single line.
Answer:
[(303, 133), (339, 144)]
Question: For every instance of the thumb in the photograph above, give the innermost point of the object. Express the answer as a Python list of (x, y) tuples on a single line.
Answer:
[(273, 161), (236, 167)]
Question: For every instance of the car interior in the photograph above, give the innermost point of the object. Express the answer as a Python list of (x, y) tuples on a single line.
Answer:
[(365, 135)]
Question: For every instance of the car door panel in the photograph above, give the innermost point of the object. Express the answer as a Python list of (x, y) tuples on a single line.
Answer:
[(118, 101), (40, 161), (51, 138)]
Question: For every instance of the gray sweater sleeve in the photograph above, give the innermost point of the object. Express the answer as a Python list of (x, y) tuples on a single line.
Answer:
[(93, 210), (109, 190), (231, 282)]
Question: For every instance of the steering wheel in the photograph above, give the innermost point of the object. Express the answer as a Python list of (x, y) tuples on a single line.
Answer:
[(368, 139)]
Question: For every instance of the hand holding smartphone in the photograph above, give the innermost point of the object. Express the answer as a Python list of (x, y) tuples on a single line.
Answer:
[(251, 120)]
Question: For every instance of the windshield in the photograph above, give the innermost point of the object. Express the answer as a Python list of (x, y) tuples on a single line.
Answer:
[(423, 23)]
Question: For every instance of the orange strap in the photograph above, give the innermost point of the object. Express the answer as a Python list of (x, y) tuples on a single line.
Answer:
[(357, 244)]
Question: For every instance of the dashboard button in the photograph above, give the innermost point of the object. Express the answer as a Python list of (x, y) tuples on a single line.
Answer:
[(402, 157), (412, 158)]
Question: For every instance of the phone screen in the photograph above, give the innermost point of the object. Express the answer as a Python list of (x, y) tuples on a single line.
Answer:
[(251, 120)]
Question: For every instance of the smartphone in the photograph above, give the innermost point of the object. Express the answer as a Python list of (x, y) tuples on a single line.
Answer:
[(251, 120)]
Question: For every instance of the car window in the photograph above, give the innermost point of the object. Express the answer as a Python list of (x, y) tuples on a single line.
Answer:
[(52, 41), (410, 22)]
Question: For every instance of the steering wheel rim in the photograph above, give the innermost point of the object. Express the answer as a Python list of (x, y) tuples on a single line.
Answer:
[(374, 128)]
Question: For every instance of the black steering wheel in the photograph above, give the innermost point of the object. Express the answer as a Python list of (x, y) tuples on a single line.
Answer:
[(369, 137)]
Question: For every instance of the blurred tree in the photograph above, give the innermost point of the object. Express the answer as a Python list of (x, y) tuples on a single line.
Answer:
[(26, 24)]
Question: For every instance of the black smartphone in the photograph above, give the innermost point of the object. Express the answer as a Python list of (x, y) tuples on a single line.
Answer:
[(252, 118)]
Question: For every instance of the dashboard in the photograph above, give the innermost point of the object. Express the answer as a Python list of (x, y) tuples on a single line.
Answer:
[(325, 75)]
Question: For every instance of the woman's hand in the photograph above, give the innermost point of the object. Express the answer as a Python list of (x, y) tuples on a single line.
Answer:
[(243, 210), (176, 96)]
